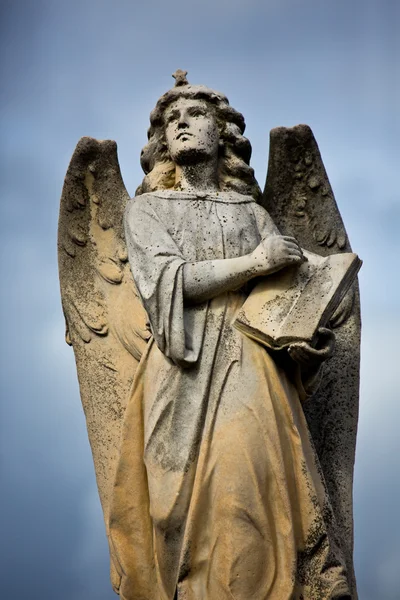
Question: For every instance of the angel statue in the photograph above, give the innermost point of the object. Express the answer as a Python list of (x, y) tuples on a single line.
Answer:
[(224, 468)]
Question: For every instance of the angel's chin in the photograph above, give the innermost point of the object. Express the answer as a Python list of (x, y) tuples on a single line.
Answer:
[(188, 154)]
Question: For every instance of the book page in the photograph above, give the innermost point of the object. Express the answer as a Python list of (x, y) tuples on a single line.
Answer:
[(291, 304)]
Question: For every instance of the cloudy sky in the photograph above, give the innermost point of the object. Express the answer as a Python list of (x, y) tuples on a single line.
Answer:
[(96, 67)]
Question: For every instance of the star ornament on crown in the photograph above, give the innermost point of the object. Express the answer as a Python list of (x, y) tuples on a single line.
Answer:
[(180, 78)]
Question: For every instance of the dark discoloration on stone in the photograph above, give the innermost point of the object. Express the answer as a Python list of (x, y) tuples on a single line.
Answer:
[(332, 413), (94, 275), (109, 329)]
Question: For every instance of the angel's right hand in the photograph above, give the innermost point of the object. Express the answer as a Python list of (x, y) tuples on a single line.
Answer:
[(276, 252)]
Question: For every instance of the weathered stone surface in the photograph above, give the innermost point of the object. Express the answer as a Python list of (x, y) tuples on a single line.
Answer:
[(209, 482), (105, 321), (299, 198)]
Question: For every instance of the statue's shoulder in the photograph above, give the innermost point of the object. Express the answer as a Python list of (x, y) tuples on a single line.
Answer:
[(163, 195), (232, 197), (143, 203), (260, 212), (153, 206), (169, 200), (158, 198)]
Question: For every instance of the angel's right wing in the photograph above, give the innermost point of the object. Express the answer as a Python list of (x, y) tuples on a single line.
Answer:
[(105, 321)]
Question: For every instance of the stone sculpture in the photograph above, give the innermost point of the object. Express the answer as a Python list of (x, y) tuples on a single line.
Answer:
[(211, 485)]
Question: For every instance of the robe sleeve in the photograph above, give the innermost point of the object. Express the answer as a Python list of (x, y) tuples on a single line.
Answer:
[(157, 268), (265, 224)]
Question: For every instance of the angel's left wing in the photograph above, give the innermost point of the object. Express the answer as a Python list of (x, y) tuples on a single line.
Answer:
[(105, 320), (299, 198)]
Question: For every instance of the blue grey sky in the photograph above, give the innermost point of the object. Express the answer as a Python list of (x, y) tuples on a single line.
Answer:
[(97, 67)]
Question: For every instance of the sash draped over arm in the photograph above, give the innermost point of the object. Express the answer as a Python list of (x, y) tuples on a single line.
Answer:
[(157, 268)]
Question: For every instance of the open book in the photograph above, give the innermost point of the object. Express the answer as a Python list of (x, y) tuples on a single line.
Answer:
[(290, 305)]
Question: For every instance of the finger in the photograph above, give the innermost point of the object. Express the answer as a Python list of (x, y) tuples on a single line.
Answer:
[(307, 350), (297, 354), (326, 342), (293, 352), (326, 333), (295, 258), (327, 350), (293, 245), (294, 250), (292, 261), (300, 356), (322, 353), (290, 238), (299, 348)]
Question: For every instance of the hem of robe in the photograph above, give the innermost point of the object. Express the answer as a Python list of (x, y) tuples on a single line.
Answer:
[(131, 526)]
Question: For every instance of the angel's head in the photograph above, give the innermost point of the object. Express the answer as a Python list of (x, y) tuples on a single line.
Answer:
[(194, 123)]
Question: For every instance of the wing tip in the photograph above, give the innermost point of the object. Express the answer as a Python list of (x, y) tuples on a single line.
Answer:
[(301, 130), (89, 144)]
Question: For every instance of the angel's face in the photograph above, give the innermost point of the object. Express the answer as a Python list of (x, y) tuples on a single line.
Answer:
[(191, 131)]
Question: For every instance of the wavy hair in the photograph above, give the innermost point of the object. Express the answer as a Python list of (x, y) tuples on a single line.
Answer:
[(234, 172)]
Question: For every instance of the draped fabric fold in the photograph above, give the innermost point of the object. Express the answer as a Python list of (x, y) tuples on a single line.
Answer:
[(218, 493), (177, 329)]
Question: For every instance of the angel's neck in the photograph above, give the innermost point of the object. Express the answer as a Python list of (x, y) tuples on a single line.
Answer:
[(202, 177)]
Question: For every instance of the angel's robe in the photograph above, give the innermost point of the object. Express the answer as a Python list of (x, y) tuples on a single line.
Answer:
[(218, 493)]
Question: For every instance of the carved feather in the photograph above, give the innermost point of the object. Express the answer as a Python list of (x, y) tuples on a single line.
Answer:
[(300, 200), (105, 320)]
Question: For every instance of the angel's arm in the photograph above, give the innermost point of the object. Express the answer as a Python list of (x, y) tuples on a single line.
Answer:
[(207, 279)]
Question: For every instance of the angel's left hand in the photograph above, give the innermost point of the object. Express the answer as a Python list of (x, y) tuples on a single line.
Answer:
[(311, 357)]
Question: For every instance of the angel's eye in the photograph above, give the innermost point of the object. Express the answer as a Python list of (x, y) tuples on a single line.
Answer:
[(173, 116), (197, 112)]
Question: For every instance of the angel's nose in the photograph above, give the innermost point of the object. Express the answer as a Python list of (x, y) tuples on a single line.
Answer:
[(183, 121)]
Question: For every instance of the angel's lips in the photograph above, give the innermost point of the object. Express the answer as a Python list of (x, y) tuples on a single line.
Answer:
[(184, 133)]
